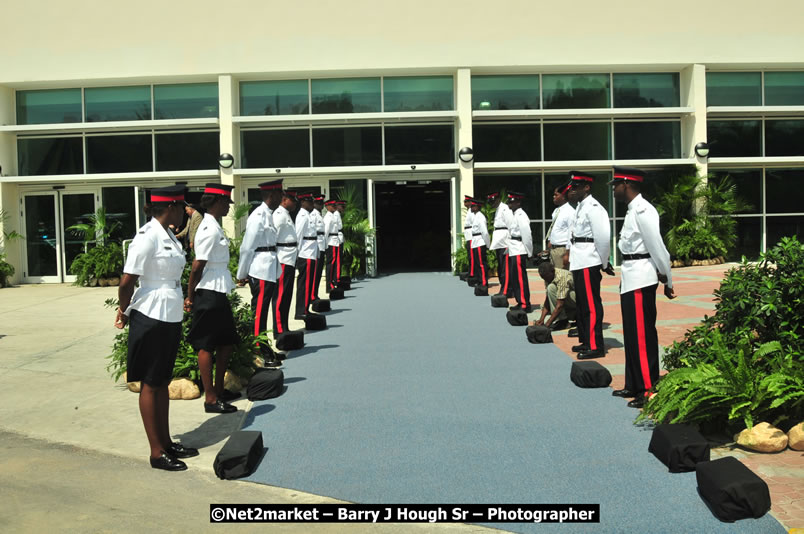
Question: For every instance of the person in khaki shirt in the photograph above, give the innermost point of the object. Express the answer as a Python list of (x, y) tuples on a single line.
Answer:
[(560, 300), (192, 226)]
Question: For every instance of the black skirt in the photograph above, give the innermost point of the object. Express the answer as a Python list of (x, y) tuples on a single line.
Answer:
[(213, 324), (152, 348)]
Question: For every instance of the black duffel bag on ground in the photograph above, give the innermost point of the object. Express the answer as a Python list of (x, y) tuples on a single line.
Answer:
[(517, 317), (336, 294), (589, 375), (481, 291), (499, 301), (732, 490), (266, 383), (291, 340), (539, 334), (314, 321), (240, 455), (321, 305), (679, 447)]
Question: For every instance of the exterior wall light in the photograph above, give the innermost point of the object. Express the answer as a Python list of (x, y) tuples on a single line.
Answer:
[(466, 154), (225, 161), (702, 150)]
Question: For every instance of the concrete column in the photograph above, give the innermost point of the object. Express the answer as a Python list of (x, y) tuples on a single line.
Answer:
[(466, 185), (693, 127), (228, 105), (9, 193)]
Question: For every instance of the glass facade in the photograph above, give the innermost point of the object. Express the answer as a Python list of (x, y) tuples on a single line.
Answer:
[(281, 97), (118, 103), (187, 151), (121, 208), (287, 147), (507, 142), (574, 91), (779, 183), (186, 101), (119, 153), (646, 90), (419, 144), (47, 156), (49, 106), (784, 137), (784, 88), (778, 227), (734, 138), (348, 95), (577, 141), (647, 140), (748, 183), (505, 92), (337, 147), (733, 89), (418, 93)]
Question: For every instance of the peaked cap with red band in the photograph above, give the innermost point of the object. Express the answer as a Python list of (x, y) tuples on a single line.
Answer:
[(223, 190), (625, 174), (514, 195), (273, 184), (475, 202), (340, 202), (580, 178), (493, 195), (170, 194), (318, 198), (562, 189), (467, 198), (330, 202), (305, 196)]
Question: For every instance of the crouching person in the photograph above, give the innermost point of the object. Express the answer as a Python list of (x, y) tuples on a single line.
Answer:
[(560, 300)]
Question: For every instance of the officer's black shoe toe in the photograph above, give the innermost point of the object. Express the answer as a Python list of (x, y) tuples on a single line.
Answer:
[(580, 348), (514, 307), (573, 332), (559, 325), (178, 450), (300, 317), (589, 354), (219, 407), (625, 393), (638, 402), (168, 463), (273, 363), (279, 356), (229, 395)]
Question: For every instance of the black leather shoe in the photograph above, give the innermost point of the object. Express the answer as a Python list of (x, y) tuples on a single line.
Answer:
[(514, 307), (580, 348), (219, 407), (559, 325), (589, 354), (280, 356), (573, 332), (625, 393), (300, 317), (178, 450), (273, 363), (229, 395), (638, 402), (168, 463)]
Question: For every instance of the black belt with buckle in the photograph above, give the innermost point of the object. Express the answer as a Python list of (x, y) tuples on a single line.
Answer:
[(294, 244), (629, 257), (516, 237), (501, 228), (557, 246), (319, 233), (310, 238), (467, 227), (476, 234), (582, 240), (265, 249)]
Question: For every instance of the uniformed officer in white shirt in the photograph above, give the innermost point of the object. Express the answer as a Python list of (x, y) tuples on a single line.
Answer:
[(333, 244), (590, 246), (646, 262), (318, 221), (259, 264), (154, 314), (467, 237), (308, 252), (340, 212), (558, 235), (520, 248), (213, 333), (499, 239), (286, 253), (480, 243)]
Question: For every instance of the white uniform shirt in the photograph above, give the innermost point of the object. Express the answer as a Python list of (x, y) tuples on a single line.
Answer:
[(562, 225), (260, 233), (285, 233), (520, 229), (467, 226), (306, 236), (331, 230), (503, 217), (640, 235), (591, 221), (318, 223), (158, 259), (480, 231), (339, 223), (212, 246)]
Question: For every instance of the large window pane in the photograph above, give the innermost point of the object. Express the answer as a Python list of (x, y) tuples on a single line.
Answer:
[(778, 187), (749, 239), (352, 95), (784, 138), (572, 91), (529, 184), (119, 153), (281, 97), (57, 155), (419, 144), (784, 88), (779, 227), (347, 146), (505, 92), (120, 208), (733, 89), (420, 93), (646, 90), (50, 106), (186, 101), (276, 148), (40, 235), (118, 103), (660, 181), (577, 141), (187, 151), (734, 138), (507, 142), (646, 140), (748, 183)]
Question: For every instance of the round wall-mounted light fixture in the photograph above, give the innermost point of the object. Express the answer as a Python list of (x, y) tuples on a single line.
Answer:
[(225, 160), (702, 150), (466, 154)]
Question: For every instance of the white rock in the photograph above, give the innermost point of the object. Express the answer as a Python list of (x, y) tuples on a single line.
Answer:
[(762, 438), (183, 389)]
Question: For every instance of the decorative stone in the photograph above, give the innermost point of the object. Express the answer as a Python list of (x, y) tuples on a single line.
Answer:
[(795, 438), (93, 282), (762, 438), (232, 382), (133, 387), (183, 389), (103, 282), (114, 281)]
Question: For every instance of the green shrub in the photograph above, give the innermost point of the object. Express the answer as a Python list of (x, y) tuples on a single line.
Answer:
[(356, 230), (103, 261), (6, 271)]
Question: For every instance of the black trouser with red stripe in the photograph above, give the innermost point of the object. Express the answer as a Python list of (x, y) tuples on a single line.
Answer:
[(502, 269), (518, 280), (481, 265), (319, 271), (589, 314), (470, 251), (304, 284), (282, 296), (262, 292), (333, 266), (640, 339)]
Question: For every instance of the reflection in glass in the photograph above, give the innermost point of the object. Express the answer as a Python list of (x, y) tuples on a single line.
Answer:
[(529, 184), (280, 97), (779, 184), (118, 103), (287, 147), (76, 209), (347, 146), (734, 138), (748, 183), (418, 93), (646, 140), (733, 89), (779, 227), (120, 208), (577, 141), (186, 101), (505, 92), (784, 88), (53, 155), (419, 144), (49, 106), (350, 95), (187, 151), (119, 153), (653, 90), (784, 138), (574, 91), (507, 142), (749, 239), (40, 235)]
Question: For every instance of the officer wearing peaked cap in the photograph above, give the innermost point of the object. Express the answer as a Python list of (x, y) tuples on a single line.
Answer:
[(646, 262), (503, 218), (318, 222), (286, 253), (307, 240), (480, 243), (333, 244), (520, 248), (558, 235), (467, 237)]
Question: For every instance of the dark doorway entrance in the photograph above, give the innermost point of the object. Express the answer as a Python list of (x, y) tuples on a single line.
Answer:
[(413, 226)]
